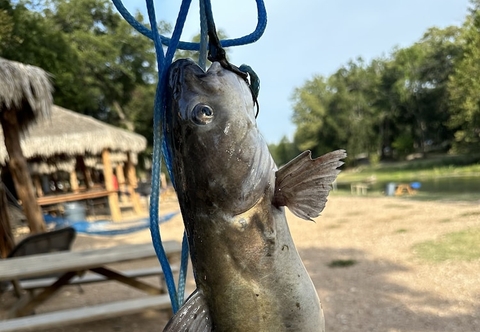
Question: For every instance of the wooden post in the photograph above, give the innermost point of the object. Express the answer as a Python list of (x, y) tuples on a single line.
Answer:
[(38, 185), (74, 181), (132, 185), (6, 237), (113, 195), (19, 169), (121, 179), (87, 175)]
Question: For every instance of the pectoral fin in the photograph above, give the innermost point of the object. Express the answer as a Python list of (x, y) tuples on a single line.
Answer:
[(193, 316), (303, 184)]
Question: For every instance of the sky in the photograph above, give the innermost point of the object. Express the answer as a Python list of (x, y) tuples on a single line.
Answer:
[(304, 38)]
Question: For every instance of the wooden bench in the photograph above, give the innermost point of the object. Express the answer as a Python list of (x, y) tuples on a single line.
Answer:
[(72, 197), (33, 284), (85, 314), (359, 188), (65, 268)]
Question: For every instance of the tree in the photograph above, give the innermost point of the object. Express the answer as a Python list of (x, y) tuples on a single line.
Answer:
[(339, 112), (25, 94), (464, 86), (415, 84), (32, 39), (98, 62), (310, 103), (284, 151)]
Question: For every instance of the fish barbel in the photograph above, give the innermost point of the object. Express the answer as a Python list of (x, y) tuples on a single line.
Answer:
[(248, 273)]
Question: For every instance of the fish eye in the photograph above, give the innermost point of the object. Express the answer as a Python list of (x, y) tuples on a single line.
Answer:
[(202, 114)]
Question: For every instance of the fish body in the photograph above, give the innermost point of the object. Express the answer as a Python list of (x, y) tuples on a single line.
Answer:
[(248, 273)]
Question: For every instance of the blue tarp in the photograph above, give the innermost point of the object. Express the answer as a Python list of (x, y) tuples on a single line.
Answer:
[(106, 227)]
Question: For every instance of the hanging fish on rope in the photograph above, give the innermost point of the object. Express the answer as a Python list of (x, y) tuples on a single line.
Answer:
[(248, 273)]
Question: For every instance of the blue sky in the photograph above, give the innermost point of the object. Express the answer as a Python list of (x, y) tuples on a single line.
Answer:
[(308, 37)]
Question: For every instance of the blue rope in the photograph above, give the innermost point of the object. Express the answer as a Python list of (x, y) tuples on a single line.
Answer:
[(162, 62), (159, 145), (202, 57), (189, 46)]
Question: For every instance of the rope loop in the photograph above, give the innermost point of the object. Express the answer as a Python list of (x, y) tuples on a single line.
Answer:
[(190, 46)]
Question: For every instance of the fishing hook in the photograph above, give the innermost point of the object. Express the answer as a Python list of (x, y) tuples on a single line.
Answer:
[(218, 54)]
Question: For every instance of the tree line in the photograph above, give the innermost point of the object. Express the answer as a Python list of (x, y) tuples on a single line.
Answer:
[(421, 99)]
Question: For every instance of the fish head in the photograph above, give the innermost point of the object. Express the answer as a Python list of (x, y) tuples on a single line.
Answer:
[(218, 158)]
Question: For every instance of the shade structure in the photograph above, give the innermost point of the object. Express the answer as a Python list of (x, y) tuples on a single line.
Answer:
[(69, 133)]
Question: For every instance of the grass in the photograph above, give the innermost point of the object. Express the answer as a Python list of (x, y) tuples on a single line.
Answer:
[(419, 196), (444, 165), (457, 246), (447, 197), (397, 206), (445, 220), (470, 214), (342, 263), (332, 226)]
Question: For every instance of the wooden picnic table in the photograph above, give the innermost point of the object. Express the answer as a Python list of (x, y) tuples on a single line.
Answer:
[(69, 265)]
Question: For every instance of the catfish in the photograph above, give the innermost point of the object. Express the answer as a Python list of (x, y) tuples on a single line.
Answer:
[(232, 196)]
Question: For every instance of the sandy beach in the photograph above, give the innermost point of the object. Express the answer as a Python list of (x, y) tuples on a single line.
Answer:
[(387, 287)]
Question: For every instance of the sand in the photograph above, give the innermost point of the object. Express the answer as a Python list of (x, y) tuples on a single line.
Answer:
[(388, 288)]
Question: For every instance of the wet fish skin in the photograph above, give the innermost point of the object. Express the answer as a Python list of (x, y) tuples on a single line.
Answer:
[(248, 272)]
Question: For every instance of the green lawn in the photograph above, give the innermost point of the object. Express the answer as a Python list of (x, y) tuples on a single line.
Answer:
[(409, 170), (431, 168), (420, 196), (457, 246)]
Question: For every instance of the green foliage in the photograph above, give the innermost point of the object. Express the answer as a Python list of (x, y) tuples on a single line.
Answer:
[(403, 144), (6, 27), (283, 152), (374, 160), (464, 87), (404, 171), (342, 263), (339, 112), (422, 98), (457, 246), (418, 88), (99, 64)]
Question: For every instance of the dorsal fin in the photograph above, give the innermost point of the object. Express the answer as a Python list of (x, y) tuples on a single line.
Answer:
[(193, 316), (303, 184)]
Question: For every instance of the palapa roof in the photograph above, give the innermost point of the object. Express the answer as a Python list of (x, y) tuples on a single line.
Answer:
[(69, 133), (25, 90)]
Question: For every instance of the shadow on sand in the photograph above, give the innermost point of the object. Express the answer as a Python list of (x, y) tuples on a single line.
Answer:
[(363, 297)]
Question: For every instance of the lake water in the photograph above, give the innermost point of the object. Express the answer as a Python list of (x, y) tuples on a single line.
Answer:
[(452, 185)]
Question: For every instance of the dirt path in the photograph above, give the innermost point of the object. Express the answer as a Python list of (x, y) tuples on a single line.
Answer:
[(387, 289)]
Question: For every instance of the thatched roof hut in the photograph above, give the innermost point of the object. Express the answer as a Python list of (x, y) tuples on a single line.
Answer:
[(58, 139), (69, 133), (68, 141)]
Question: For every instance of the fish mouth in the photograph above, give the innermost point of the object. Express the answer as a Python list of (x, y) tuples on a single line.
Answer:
[(178, 70), (182, 68)]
